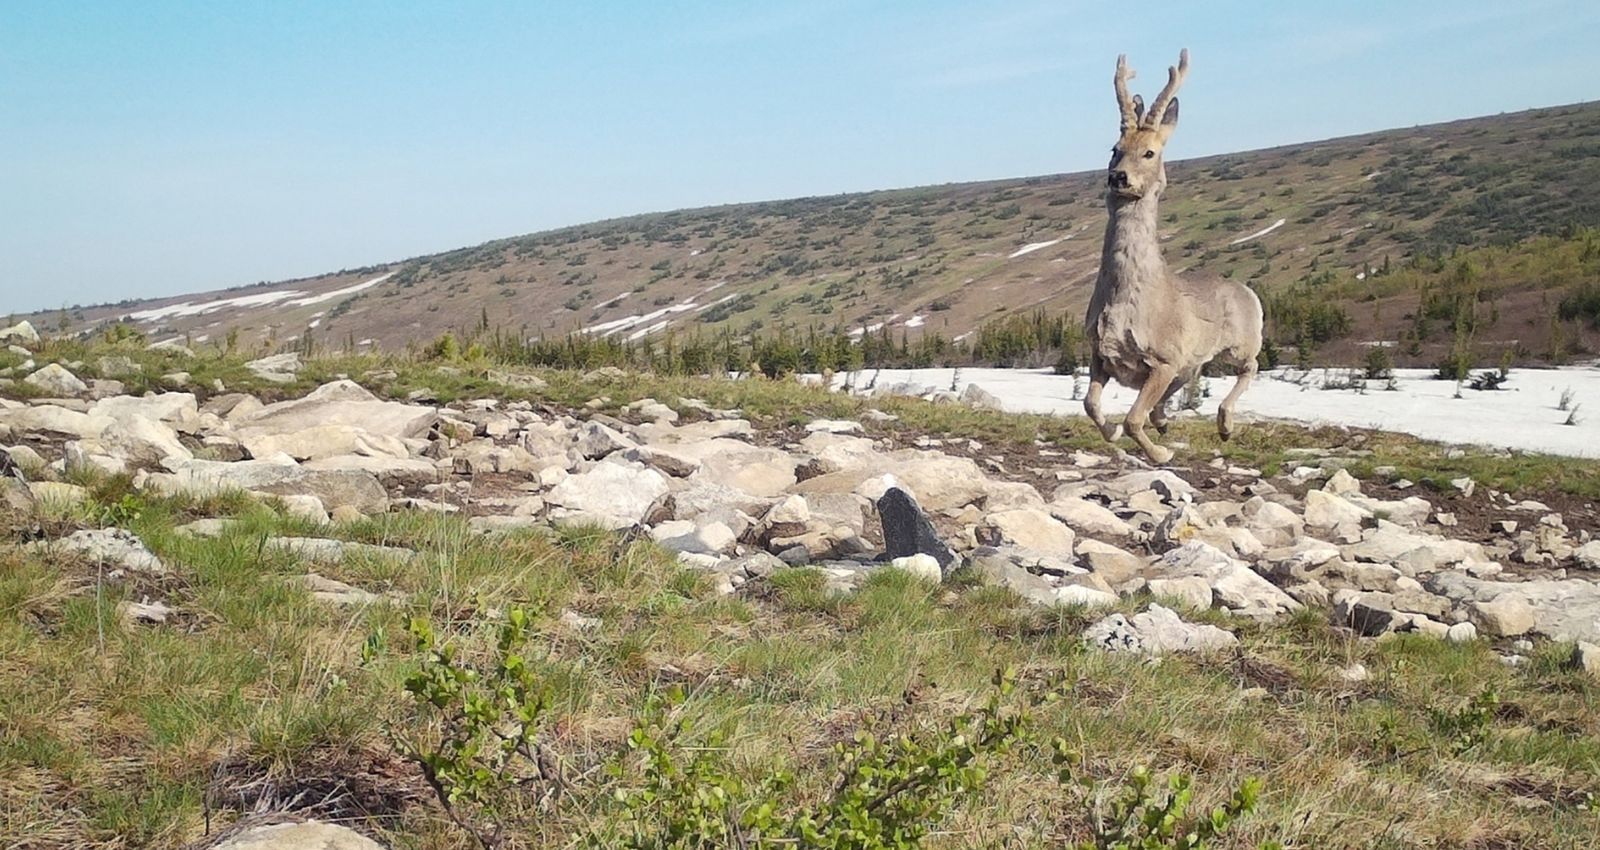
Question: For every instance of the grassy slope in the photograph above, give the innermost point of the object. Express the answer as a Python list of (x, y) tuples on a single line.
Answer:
[(109, 734), (943, 252)]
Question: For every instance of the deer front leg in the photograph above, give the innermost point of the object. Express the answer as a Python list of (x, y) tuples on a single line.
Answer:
[(1225, 409), (1155, 386), (1091, 399)]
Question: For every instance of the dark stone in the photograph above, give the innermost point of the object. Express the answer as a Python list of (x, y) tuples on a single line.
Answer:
[(908, 531)]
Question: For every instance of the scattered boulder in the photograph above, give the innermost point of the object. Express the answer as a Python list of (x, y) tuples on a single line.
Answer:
[(337, 403), (1233, 584), (612, 494), (21, 332), (979, 397), (1585, 657), (278, 476), (518, 380), (1329, 511), (908, 531), (1154, 632), (55, 380), (1507, 615), (278, 368)]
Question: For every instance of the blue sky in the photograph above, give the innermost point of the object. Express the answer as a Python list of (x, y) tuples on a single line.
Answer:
[(159, 148)]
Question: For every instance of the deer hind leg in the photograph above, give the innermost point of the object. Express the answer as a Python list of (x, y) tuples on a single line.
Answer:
[(1091, 399), (1225, 409), (1155, 386), (1158, 414)]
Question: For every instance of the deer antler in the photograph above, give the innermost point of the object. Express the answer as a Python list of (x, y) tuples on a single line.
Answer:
[(1175, 75), (1130, 113)]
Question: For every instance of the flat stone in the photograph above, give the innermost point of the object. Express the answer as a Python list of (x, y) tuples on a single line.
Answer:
[(1155, 631), (1087, 517), (328, 551), (113, 547), (1029, 529), (996, 568), (304, 835), (277, 476), (1506, 615), (278, 368)]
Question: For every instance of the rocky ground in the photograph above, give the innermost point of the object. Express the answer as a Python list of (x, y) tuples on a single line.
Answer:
[(1174, 560), (1090, 529)]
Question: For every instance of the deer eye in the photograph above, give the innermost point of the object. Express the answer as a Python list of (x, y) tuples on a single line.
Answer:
[(1149, 154)]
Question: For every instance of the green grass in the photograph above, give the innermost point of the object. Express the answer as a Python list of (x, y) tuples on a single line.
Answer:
[(109, 733)]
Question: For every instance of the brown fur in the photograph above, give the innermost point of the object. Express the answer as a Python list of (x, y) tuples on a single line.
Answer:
[(1147, 327)]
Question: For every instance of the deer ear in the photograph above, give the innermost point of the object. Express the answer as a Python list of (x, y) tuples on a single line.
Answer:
[(1138, 108), (1169, 118)]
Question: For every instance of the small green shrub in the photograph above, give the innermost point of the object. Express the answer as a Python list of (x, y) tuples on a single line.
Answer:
[(478, 747)]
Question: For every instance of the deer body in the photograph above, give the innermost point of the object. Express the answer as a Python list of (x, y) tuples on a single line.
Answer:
[(1147, 327)]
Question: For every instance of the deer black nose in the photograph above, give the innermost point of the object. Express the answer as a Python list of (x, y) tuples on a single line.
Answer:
[(1118, 180)]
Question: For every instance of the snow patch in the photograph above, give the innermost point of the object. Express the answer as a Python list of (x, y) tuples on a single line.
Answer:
[(1260, 233), (1031, 247), (194, 308), (337, 293)]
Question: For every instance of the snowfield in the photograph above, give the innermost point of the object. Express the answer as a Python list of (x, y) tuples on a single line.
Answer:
[(1522, 415)]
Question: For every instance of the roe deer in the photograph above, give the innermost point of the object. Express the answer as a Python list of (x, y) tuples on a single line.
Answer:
[(1147, 327)]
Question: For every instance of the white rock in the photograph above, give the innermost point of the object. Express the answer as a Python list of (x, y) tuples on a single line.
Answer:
[(20, 332), (1506, 615), (711, 538), (610, 490), (1088, 597), (279, 368), (1088, 517), (833, 426), (1326, 510), (304, 835), (111, 546), (1233, 583), (1156, 631), (924, 567), (55, 380), (1030, 529), (1342, 483)]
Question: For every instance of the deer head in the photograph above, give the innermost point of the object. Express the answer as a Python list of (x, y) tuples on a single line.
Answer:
[(1136, 168)]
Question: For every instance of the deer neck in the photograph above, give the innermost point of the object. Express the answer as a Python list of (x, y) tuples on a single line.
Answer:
[(1131, 260)]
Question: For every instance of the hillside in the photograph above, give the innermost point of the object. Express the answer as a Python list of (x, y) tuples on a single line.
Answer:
[(1324, 215)]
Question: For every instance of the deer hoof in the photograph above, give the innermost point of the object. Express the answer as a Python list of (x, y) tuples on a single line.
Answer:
[(1111, 431), (1160, 454)]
